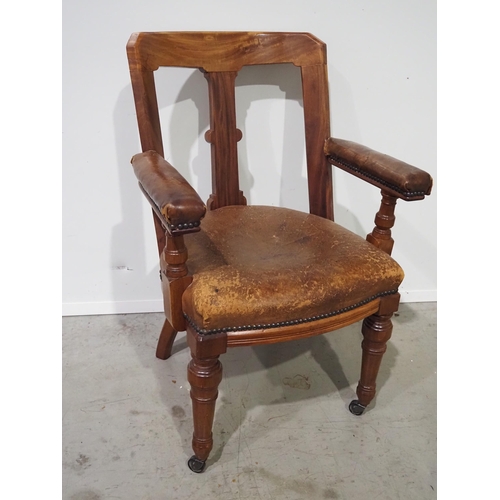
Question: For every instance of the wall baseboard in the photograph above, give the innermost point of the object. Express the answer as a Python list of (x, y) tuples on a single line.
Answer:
[(101, 308), (148, 306), (418, 295)]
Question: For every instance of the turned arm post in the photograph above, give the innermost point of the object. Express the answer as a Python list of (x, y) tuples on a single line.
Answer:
[(175, 279), (384, 221), (175, 257)]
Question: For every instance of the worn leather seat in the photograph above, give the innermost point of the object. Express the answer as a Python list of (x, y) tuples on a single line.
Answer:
[(257, 267)]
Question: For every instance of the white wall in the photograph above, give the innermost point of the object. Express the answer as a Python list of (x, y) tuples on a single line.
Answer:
[(382, 71)]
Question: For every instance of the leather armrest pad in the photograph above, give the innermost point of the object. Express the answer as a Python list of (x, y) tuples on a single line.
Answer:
[(393, 176), (176, 199)]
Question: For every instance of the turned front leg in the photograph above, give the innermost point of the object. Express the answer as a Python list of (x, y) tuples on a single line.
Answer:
[(377, 330), (204, 375)]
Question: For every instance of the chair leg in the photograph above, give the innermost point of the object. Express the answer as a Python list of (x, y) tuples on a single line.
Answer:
[(377, 330), (204, 375), (166, 341)]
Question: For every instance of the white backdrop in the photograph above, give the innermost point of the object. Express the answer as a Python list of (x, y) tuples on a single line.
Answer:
[(382, 72)]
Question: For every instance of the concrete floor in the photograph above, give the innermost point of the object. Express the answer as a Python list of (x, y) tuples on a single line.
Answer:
[(282, 429)]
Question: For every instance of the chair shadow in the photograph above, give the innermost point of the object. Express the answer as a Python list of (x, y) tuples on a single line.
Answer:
[(336, 355), (335, 359), (324, 351), (253, 85)]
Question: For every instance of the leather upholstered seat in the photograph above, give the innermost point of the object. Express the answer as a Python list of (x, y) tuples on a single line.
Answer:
[(259, 267)]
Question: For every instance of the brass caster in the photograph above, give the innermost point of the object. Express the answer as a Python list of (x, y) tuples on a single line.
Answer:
[(356, 408), (196, 465)]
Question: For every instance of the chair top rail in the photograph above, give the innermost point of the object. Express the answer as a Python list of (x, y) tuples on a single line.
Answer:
[(224, 51)]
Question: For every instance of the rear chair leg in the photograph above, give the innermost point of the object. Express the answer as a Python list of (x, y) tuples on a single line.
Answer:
[(166, 341), (377, 330)]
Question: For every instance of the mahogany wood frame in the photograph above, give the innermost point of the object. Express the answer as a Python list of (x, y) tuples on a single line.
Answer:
[(220, 55)]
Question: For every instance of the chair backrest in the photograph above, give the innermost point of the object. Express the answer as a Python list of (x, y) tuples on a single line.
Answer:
[(220, 55)]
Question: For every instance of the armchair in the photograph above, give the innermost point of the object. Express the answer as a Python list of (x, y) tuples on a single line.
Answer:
[(239, 275)]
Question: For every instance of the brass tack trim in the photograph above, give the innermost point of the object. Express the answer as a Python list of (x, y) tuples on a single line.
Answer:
[(185, 225), (202, 331), (335, 159)]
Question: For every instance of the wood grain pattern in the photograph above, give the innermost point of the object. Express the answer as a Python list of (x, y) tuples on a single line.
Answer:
[(223, 137), (317, 129), (305, 330), (146, 104), (225, 51)]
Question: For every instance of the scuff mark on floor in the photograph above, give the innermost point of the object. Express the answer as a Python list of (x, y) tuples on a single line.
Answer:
[(297, 382)]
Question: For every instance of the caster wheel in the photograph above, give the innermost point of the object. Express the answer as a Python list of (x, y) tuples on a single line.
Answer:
[(196, 465), (356, 408)]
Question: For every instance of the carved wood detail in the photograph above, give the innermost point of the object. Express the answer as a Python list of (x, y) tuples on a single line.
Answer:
[(376, 331), (384, 221), (204, 375), (175, 279)]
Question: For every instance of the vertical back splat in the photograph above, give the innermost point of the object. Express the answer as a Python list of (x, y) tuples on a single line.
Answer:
[(223, 136)]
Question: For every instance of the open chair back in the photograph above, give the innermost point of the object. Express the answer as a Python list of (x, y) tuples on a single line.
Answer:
[(220, 56)]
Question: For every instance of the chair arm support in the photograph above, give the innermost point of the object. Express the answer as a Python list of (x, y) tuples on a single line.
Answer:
[(393, 176), (172, 197)]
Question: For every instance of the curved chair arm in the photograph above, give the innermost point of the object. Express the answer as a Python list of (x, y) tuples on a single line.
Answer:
[(173, 199), (393, 176)]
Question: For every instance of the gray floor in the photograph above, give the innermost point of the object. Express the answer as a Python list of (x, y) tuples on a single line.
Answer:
[(282, 429)]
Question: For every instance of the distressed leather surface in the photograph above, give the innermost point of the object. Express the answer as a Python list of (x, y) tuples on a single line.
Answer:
[(266, 265), (173, 195), (397, 177)]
